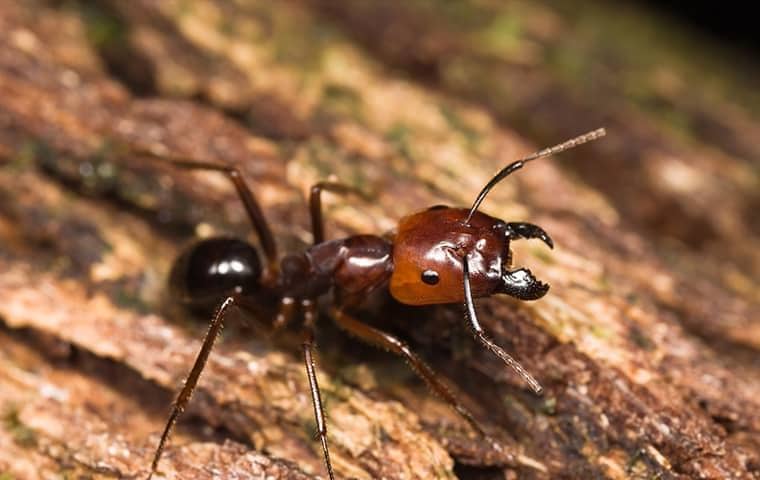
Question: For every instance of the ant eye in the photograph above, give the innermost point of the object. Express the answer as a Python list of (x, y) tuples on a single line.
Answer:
[(430, 277)]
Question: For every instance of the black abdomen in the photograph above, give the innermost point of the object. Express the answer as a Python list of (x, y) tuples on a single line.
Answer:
[(214, 268)]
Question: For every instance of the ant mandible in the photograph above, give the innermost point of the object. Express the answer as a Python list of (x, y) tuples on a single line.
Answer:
[(439, 255)]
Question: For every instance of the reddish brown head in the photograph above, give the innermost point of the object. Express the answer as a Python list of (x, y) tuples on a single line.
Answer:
[(428, 252), (446, 255), (440, 253), (431, 246)]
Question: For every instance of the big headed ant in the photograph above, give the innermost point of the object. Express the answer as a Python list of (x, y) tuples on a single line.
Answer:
[(436, 256)]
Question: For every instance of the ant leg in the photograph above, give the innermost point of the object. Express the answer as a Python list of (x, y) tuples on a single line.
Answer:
[(315, 205), (387, 341), (472, 318), (252, 207), (285, 313), (192, 379), (310, 318), (528, 230)]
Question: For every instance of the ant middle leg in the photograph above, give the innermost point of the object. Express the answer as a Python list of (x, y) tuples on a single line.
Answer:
[(192, 379), (310, 313), (389, 342), (315, 205)]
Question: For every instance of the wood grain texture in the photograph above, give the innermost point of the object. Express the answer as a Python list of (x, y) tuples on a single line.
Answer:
[(647, 343)]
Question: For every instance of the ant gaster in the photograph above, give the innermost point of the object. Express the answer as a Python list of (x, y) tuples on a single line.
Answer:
[(439, 255)]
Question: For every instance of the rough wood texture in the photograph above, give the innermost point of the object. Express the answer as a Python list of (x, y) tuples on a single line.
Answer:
[(647, 343)]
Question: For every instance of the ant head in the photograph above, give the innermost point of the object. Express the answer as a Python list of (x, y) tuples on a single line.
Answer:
[(429, 249), (446, 255)]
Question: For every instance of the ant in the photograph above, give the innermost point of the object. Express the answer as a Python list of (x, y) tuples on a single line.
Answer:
[(438, 255)]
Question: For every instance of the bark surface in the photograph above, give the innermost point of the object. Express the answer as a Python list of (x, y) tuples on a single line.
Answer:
[(647, 343)]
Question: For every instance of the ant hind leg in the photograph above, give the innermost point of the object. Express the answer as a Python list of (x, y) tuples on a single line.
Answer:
[(252, 206), (310, 318), (192, 379)]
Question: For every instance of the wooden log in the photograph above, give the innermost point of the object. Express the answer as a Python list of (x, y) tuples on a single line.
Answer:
[(647, 348)]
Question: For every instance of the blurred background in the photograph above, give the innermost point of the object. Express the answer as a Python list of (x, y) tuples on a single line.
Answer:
[(676, 85), (648, 342)]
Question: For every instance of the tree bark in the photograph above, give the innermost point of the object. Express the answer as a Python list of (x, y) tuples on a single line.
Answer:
[(647, 342)]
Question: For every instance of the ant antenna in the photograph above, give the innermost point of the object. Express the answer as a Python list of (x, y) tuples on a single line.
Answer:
[(472, 318), (504, 172)]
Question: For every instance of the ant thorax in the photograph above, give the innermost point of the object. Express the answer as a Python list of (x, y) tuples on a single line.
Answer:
[(352, 265)]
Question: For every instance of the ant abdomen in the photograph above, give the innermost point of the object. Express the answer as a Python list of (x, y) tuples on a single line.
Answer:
[(214, 268)]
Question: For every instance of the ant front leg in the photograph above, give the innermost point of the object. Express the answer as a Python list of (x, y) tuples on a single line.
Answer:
[(315, 205), (379, 338), (192, 379), (310, 318)]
